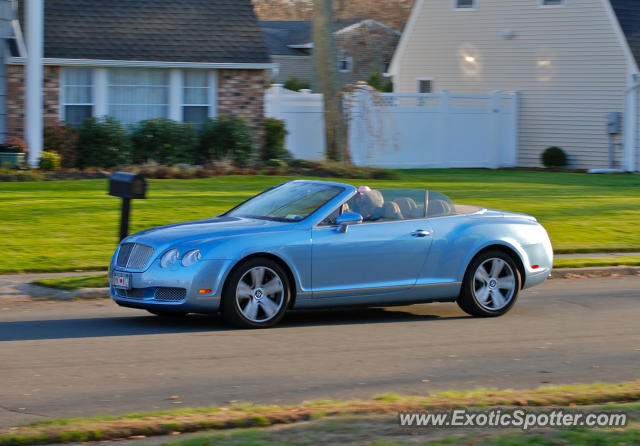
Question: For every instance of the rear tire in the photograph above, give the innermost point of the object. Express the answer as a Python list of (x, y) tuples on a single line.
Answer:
[(491, 285), (256, 295)]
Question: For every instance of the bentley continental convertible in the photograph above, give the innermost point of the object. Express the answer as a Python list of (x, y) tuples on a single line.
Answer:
[(306, 244)]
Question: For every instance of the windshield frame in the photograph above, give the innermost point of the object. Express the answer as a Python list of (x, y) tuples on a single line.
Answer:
[(340, 189)]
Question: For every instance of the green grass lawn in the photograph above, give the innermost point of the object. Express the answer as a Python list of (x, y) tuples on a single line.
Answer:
[(73, 225), (349, 419), (75, 282)]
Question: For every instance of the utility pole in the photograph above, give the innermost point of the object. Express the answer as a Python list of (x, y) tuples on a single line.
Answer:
[(329, 79)]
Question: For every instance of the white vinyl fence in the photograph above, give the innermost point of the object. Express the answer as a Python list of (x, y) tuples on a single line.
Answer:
[(399, 130)]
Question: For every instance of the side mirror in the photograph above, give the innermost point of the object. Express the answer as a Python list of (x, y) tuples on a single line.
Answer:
[(346, 219)]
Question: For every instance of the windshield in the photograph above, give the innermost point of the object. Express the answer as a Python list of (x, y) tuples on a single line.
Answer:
[(292, 201)]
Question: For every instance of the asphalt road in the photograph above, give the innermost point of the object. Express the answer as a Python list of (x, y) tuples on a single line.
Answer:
[(91, 357)]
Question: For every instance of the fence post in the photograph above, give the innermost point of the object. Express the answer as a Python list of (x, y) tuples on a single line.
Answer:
[(358, 127), (495, 146), (274, 101), (443, 146)]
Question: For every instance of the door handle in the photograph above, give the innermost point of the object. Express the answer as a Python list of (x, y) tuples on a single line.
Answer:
[(420, 233)]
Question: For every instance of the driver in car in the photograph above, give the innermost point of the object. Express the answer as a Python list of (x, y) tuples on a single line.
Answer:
[(369, 203)]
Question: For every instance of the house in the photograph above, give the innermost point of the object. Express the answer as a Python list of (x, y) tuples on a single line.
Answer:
[(572, 61), (364, 47), (140, 59)]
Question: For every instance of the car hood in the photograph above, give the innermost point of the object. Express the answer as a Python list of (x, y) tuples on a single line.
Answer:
[(203, 230)]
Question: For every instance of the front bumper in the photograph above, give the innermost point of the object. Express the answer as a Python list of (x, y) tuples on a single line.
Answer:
[(539, 255), (174, 289)]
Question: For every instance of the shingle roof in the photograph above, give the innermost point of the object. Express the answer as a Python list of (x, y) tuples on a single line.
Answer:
[(628, 12), (214, 31), (282, 33)]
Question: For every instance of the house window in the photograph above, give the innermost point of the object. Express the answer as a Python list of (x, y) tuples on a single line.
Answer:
[(195, 94), (77, 95), (345, 64), (465, 4), (425, 86), (136, 94), (552, 3)]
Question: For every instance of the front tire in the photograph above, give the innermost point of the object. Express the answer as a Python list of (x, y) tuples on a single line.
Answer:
[(491, 285), (257, 294)]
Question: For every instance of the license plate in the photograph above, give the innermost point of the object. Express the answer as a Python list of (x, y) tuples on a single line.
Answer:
[(121, 280)]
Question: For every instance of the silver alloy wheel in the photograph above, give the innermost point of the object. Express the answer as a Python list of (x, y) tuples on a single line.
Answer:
[(494, 284), (260, 294)]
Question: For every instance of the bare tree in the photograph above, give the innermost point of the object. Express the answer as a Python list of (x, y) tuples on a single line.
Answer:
[(329, 80)]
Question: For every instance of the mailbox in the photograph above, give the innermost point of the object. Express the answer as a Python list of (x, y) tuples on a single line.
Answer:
[(127, 185)]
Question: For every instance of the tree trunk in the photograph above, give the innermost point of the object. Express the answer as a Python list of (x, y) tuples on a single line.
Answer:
[(329, 80)]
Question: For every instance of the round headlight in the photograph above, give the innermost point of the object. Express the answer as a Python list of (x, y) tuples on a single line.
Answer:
[(191, 257), (169, 258)]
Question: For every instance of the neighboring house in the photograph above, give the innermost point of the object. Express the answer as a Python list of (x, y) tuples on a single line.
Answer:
[(364, 47), (572, 61), (142, 59)]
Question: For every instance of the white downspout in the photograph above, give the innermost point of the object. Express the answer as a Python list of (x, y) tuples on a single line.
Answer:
[(631, 127), (34, 12)]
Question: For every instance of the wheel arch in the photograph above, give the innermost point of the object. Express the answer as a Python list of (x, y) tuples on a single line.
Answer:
[(275, 258), (508, 250)]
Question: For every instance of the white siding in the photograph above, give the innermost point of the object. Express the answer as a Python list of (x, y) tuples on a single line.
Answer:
[(567, 62), (301, 67)]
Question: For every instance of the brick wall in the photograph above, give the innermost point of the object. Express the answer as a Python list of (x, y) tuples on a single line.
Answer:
[(15, 98), (241, 93)]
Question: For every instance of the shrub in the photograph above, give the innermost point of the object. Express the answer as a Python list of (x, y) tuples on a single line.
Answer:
[(49, 160), (276, 162), (20, 175), (165, 141), (380, 83), (225, 136), (6, 148), (385, 174), (103, 143), (275, 134), (554, 157), (63, 139), (295, 84), (17, 143), (300, 164)]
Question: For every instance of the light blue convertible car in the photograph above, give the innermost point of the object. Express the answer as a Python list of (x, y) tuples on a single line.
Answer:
[(305, 244)]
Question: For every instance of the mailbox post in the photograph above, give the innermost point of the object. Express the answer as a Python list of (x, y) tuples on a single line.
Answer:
[(127, 186)]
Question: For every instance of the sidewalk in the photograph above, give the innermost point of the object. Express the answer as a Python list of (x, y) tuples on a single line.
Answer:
[(18, 288), (581, 255)]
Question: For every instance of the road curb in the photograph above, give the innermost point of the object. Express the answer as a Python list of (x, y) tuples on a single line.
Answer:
[(594, 271), (43, 292)]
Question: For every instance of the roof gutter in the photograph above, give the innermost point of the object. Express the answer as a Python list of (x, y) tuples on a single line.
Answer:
[(145, 64)]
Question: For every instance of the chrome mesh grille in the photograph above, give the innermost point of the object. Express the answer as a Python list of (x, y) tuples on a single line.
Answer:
[(124, 253), (170, 294), (133, 255), (139, 256), (134, 293)]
